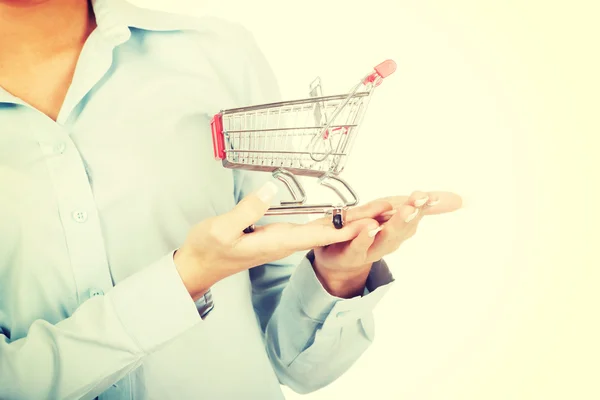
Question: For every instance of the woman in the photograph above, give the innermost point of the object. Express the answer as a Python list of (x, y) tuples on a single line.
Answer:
[(120, 233)]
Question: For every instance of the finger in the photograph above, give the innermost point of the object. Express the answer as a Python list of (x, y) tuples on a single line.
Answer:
[(404, 212), (311, 236), (437, 203), (249, 210), (385, 208), (395, 201), (359, 247), (418, 199), (401, 224), (292, 237), (395, 231), (369, 210), (442, 202)]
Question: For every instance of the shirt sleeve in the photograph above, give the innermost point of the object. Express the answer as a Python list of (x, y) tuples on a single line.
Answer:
[(116, 331), (311, 337)]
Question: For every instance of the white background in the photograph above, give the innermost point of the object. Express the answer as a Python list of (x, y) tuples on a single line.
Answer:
[(492, 100)]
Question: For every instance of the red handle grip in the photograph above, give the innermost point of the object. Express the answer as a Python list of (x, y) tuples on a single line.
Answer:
[(386, 68)]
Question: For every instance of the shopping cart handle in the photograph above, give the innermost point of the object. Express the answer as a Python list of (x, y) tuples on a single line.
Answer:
[(386, 68)]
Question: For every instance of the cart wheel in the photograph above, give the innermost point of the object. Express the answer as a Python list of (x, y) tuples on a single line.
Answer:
[(249, 229), (338, 221)]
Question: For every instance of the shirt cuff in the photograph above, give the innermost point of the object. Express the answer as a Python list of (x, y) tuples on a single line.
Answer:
[(153, 305), (318, 304)]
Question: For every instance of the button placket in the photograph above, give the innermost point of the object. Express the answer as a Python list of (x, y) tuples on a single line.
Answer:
[(77, 208), (75, 201)]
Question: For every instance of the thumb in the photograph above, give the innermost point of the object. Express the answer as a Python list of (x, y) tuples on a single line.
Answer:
[(251, 208)]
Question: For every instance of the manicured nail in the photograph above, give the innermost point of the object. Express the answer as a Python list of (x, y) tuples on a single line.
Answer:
[(412, 216), (374, 232), (421, 202), (389, 213), (433, 202), (267, 192)]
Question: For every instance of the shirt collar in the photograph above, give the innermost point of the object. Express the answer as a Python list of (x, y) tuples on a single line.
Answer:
[(110, 21), (115, 17)]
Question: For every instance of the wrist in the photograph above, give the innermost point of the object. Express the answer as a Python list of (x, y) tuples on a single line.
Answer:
[(189, 271), (343, 283)]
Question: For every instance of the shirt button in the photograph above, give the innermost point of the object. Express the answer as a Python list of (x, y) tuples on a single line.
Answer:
[(96, 292), (79, 216)]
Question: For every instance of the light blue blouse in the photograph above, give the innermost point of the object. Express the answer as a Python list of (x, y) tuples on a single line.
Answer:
[(93, 205)]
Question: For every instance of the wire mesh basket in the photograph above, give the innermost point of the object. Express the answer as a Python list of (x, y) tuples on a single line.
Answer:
[(310, 137)]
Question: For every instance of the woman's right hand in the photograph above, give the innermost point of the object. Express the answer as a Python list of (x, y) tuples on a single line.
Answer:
[(217, 247)]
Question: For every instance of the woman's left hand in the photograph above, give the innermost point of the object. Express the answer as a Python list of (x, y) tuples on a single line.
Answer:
[(344, 267)]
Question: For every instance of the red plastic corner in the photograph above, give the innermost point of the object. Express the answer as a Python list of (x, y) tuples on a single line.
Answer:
[(216, 127)]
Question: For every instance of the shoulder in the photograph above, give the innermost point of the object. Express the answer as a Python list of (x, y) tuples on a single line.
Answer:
[(207, 30), (192, 43)]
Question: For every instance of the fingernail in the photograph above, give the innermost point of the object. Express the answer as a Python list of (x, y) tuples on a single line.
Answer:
[(421, 202), (374, 232), (267, 192), (389, 213), (412, 216), (433, 202)]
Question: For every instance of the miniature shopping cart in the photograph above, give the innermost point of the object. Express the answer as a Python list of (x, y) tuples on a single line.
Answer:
[(310, 137)]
